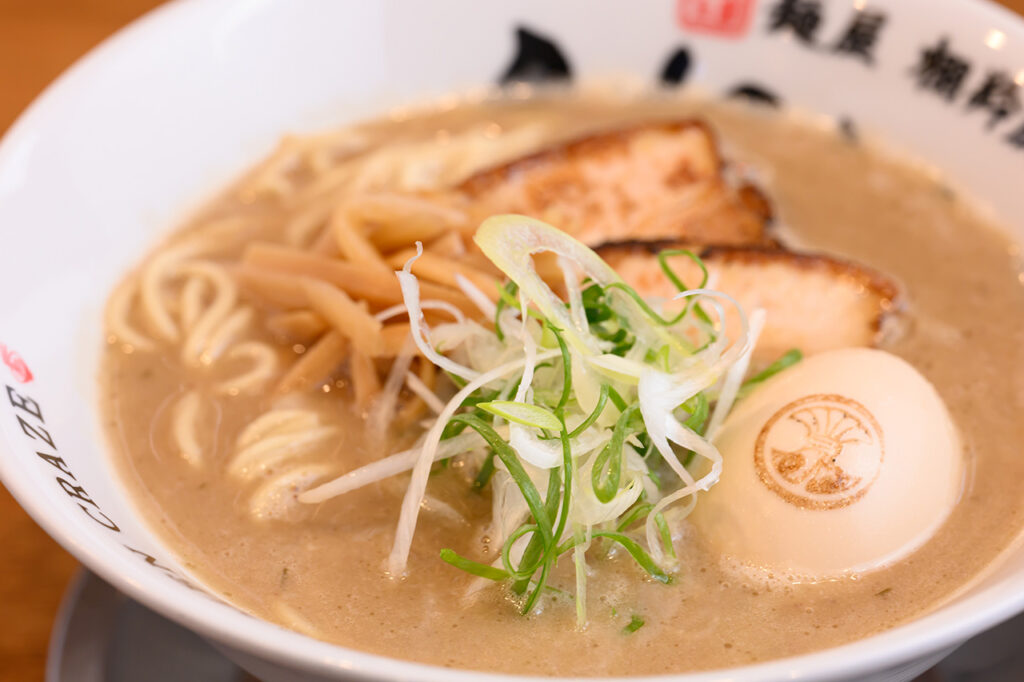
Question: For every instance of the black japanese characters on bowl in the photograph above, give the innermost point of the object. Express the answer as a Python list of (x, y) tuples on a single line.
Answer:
[(755, 93), (537, 59), (848, 129), (677, 68), (803, 19)]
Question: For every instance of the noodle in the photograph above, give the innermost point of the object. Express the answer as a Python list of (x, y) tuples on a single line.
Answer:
[(276, 420), (229, 329), (185, 418), (152, 295), (117, 316), (264, 366), (272, 177), (191, 302), (196, 349), (276, 447), (278, 495)]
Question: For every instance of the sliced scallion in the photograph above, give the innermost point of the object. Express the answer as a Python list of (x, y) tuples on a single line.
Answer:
[(473, 567), (635, 623)]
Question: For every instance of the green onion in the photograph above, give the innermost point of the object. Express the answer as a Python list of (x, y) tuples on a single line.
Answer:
[(699, 408), (788, 359), (566, 367), (653, 475), (635, 623), (456, 379), (478, 569), (552, 551), (536, 549), (632, 547), (666, 534), (521, 413), (594, 306), (635, 514), (658, 357), (528, 565), (507, 294), (607, 470), (483, 477), (532, 598), (621, 323), (567, 466), (598, 312), (663, 257), (452, 430), (665, 254), (507, 291), (515, 469), (602, 400), (644, 306), (638, 554), (616, 399)]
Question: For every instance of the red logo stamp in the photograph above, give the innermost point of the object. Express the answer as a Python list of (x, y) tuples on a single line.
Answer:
[(725, 18), (16, 364)]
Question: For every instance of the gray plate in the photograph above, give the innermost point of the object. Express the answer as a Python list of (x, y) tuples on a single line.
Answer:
[(102, 636)]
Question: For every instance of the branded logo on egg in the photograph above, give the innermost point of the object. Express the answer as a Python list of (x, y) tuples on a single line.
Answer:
[(820, 451)]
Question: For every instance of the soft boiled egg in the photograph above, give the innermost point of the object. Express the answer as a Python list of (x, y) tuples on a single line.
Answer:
[(844, 463)]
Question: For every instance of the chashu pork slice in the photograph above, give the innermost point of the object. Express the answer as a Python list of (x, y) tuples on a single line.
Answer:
[(650, 182), (813, 302)]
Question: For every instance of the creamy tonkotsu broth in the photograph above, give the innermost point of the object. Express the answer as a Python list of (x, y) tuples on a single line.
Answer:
[(320, 569)]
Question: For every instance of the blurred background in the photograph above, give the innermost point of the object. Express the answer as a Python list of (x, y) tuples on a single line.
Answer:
[(38, 40)]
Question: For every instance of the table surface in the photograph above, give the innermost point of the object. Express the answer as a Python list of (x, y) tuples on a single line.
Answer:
[(38, 40)]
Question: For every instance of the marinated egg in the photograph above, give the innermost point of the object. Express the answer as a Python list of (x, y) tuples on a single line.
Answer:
[(844, 463)]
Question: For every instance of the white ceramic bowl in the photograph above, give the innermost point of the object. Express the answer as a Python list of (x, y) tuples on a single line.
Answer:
[(172, 108)]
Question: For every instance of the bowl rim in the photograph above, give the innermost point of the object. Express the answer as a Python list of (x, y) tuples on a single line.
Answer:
[(235, 629)]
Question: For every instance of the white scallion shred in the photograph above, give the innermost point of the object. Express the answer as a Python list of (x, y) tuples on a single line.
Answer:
[(473, 293), (424, 393), (387, 467), (411, 296), (734, 376), (399, 556), (429, 304)]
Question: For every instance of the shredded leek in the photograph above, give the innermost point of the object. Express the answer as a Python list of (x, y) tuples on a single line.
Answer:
[(609, 331), (605, 330), (587, 415)]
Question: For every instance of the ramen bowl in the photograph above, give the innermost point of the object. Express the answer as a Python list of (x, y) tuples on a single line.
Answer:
[(144, 128)]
